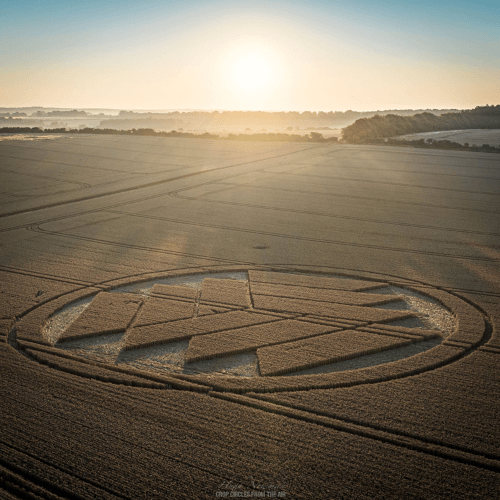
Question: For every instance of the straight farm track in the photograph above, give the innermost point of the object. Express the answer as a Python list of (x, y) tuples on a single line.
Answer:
[(79, 215)]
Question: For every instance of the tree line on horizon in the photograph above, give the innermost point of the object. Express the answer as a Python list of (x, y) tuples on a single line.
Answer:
[(377, 130), (241, 119), (263, 137), (367, 130)]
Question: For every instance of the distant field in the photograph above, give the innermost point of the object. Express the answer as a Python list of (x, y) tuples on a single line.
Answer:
[(185, 318), (472, 137)]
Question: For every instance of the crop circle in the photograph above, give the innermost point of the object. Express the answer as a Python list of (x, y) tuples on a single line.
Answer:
[(258, 329)]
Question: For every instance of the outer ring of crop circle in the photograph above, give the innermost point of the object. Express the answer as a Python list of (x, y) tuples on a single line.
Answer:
[(467, 336)]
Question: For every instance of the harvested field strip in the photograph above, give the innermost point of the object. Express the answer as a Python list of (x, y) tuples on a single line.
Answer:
[(322, 350), (185, 329), (329, 309), (269, 404), (164, 380), (184, 292), (277, 278), (250, 338), (420, 363), (107, 313), (163, 310), (225, 291), (419, 333), (322, 295)]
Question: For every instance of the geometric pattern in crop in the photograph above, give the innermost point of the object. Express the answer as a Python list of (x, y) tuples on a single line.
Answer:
[(328, 309), (281, 322), (317, 351), (107, 313), (322, 295), (251, 338), (227, 292), (176, 331), (157, 310)]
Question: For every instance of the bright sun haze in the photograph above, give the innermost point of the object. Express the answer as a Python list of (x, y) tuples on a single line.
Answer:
[(280, 55), (252, 72)]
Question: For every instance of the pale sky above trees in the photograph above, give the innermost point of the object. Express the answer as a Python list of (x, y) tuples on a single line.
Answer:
[(294, 55)]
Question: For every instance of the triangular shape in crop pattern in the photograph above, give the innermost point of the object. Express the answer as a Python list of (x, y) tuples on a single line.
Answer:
[(107, 313)]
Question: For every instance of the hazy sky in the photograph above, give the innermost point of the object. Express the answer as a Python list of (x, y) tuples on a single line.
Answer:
[(276, 55)]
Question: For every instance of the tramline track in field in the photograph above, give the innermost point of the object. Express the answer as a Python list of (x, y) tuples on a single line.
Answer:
[(37, 228), (352, 179), (309, 212), (335, 195), (154, 183)]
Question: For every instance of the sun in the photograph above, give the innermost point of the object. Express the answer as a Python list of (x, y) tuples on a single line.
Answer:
[(252, 72)]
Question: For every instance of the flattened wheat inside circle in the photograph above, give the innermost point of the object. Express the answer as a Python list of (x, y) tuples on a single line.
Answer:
[(251, 324)]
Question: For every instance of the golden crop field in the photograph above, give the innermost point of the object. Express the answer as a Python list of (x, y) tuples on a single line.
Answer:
[(182, 318)]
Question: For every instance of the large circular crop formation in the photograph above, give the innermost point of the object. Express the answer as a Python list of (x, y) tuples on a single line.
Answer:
[(251, 330)]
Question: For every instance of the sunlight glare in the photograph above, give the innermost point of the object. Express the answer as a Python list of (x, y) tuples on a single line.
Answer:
[(252, 72)]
